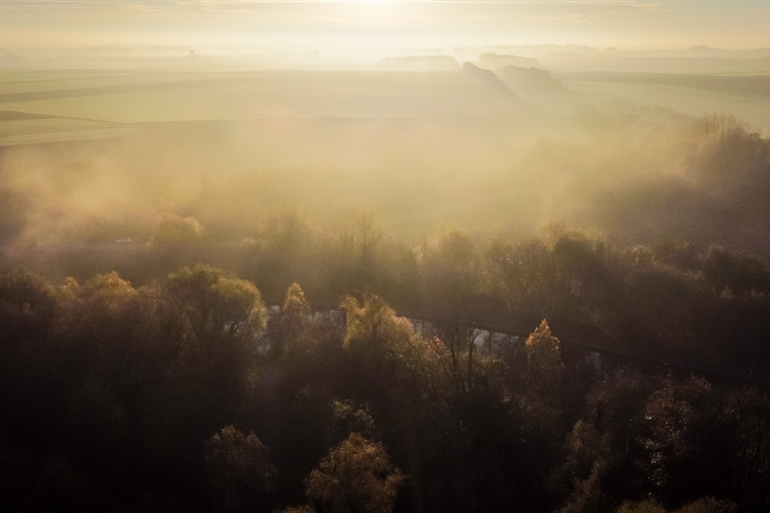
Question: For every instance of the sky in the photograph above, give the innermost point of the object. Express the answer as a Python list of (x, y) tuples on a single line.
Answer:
[(624, 24)]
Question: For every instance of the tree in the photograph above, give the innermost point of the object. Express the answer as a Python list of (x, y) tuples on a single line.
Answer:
[(240, 471), (365, 237), (581, 267), (27, 308), (355, 477), (523, 275), (373, 327), (453, 277), (587, 496), (287, 244), (648, 506), (29, 373), (295, 317), (218, 320), (544, 367), (682, 425), (174, 230), (215, 306), (709, 505), (702, 505)]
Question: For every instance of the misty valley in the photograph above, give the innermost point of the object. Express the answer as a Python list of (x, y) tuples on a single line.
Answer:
[(429, 284)]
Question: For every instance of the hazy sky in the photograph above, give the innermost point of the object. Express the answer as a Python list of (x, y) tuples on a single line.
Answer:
[(628, 24)]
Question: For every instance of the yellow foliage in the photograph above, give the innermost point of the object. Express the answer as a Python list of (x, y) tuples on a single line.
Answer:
[(174, 230), (356, 476)]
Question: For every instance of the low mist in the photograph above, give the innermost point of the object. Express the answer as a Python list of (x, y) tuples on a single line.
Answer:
[(511, 152)]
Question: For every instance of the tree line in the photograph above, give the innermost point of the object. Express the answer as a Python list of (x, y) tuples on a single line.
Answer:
[(188, 393)]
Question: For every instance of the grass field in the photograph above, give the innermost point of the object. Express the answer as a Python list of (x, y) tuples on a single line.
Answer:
[(134, 96), (201, 96), (20, 128), (747, 97), (46, 106)]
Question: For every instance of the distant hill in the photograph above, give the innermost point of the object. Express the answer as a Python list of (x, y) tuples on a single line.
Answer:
[(494, 61), (421, 63), (531, 79), (487, 77), (538, 87)]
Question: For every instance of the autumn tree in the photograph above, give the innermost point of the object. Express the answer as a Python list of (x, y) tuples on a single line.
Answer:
[(218, 320), (286, 253), (543, 367), (295, 318), (173, 230), (453, 277), (355, 477), (685, 421), (702, 505), (28, 381), (373, 327), (213, 305), (523, 275), (240, 472)]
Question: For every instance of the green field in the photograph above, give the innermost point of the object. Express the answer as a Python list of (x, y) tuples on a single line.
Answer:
[(747, 97), (133, 98), (32, 131), (148, 96)]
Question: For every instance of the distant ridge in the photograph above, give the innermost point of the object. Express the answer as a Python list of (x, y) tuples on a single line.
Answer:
[(531, 79), (420, 63), (488, 78), (494, 61)]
